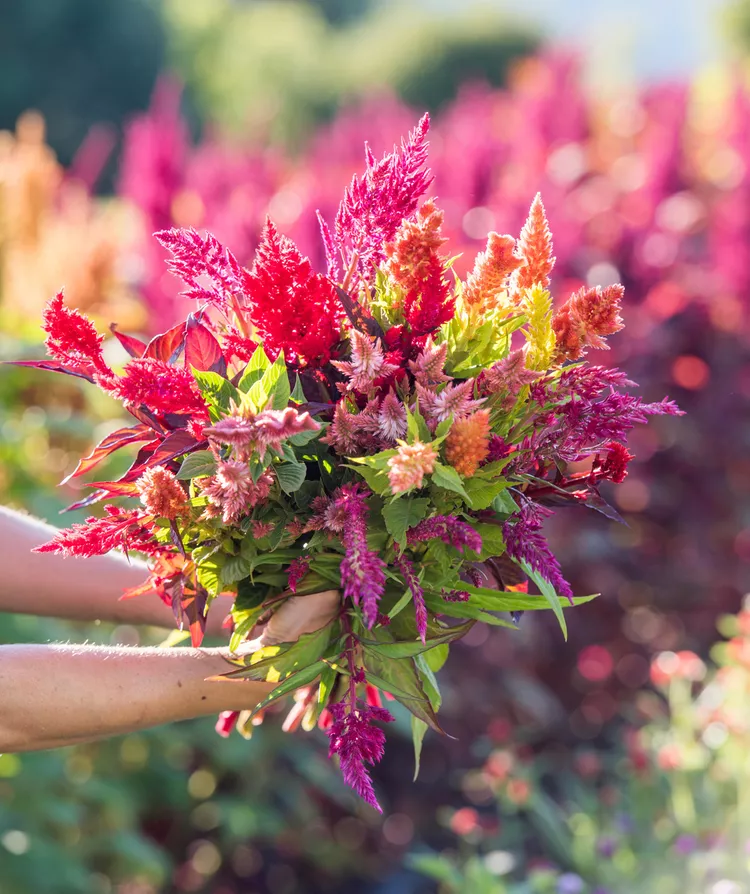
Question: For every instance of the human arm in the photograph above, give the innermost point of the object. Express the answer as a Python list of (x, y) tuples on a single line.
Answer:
[(55, 695), (78, 589)]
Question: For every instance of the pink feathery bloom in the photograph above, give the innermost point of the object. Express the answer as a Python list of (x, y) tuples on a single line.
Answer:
[(409, 574), (72, 339), (406, 470), (391, 418), (210, 271), (428, 368), (232, 492), (525, 541), (535, 250), (491, 271), (366, 364), (160, 387), (455, 596), (453, 400), (355, 434), (357, 742), (161, 493), (374, 206), (410, 254), (362, 570), (245, 432), (449, 529), (508, 376), (298, 568), (585, 318), (119, 529), (260, 529), (615, 465)]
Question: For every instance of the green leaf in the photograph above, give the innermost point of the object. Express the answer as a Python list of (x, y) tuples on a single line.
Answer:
[(275, 663), (327, 682), (493, 469), (400, 515), (448, 478), (244, 621), (418, 729), (416, 427), (377, 461), (254, 370), (549, 593), (482, 492), (304, 437), (217, 391), (275, 383), (298, 395), (235, 569), (508, 601), (405, 600), (401, 649), (376, 480), (250, 596), (209, 572), (291, 476), (493, 542), (504, 503), (400, 678), (197, 465), (294, 681), (441, 432), (437, 657), (429, 682)]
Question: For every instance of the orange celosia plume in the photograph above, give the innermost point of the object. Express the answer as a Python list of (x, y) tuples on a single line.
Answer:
[(468, 443)]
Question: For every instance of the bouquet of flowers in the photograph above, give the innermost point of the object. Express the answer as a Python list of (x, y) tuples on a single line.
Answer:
[(383, 430)]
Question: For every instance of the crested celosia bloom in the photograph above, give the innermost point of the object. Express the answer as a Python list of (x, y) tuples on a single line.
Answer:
[(614, 467), (160, 387), (410, 254), (118, 529), (73, 340), (406, 470), (489, 278), (232, 492), (468, 443), (246, 432), (367, 363), (585, 318), (161, 493)]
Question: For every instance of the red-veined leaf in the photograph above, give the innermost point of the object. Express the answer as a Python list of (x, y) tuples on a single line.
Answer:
[(117, 488), (50, 366), (134, 346), (109, 444), (193, 605), (168, 346), (86, 501), (202, 350), (174, 445)]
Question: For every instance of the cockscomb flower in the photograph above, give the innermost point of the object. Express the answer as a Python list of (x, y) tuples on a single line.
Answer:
[(615, 464), (73, 340), (490, 274), (292, 308), (261, 529), (406, 470), (160, 387), (232, 492), (119, 528), (429, 367), (536, 304), (468, 443), (356, 434), (449, 529), (453, 400), (367, 362), (535, 250), (357, 742), (298, 568), (431, 303), (161, 493), (508, 376), (585, 318), (416, 242)]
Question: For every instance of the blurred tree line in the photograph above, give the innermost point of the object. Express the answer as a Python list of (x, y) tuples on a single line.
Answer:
[(268, 69)]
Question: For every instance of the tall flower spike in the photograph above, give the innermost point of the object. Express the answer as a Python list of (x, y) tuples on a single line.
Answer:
[(525, 541), (508, 376), (405, 566), (453, 400), (535, 250), (73, 340), (585, 318), (468, 443), (392, 418), (415, 244), (431, 303), (293, 309), (406, 470), (489, 277), (118, 529), (367, 362), (540, 336)]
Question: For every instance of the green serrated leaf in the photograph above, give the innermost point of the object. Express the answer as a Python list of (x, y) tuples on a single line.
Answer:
[(376, 480), (235, 569), (254, 370), (400, 515), (482, 492), (504, 503), (209, 572), (275, 663), (197, 465), (418, 729), (217, 391), (449, 479), (290, 476)]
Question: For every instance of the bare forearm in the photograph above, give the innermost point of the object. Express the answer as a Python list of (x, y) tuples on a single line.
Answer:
[(76, 589), (60, 694)]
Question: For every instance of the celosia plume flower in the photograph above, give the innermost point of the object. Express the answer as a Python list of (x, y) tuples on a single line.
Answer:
[(447, 528), (585, 318), (160, 387), (367, 363), (490, 274), (125, 529), (73, 340), (535, 251), (406, 470), (161, 493), (468, 443), (246, 432), (410, 254)]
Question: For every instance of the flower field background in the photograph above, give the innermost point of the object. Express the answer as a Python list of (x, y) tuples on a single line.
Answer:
[(592, 766)]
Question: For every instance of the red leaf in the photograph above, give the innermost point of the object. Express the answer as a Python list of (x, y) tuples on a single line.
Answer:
[(168, 346), (134, 346), (202, 350), (86, 501), (108, 445), (193, 605), (176, 444), (51, 365), (117, 488)]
